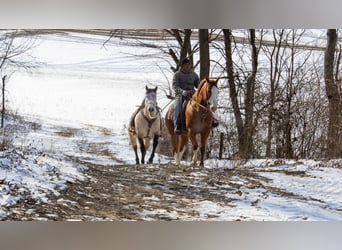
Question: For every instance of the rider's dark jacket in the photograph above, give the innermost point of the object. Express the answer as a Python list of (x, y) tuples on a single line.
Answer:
[(184, 81)]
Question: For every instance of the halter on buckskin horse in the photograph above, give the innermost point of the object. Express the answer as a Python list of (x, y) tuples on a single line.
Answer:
[(147, 126), (198, 121)]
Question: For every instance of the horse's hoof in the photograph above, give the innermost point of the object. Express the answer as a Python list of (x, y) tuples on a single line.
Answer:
[(214, 124)]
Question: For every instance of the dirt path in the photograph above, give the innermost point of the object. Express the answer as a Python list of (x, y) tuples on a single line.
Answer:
[(145, 192), (115, 191), (150, 192)]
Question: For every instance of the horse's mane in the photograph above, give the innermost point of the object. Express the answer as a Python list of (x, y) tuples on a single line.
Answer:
[(201, 84)]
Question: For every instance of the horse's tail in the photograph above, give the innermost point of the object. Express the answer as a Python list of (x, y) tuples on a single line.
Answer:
[(170, 127), (161, 120)]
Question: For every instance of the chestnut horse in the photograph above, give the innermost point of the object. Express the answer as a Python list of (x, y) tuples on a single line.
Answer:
[(147, 126), (198, 120)]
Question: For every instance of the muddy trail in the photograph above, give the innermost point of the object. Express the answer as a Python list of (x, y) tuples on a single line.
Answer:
[(145, 192), (113, 190)]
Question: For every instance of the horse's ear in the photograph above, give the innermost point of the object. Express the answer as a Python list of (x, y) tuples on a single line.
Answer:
[(212, 81), (156, 88), (146, 87)]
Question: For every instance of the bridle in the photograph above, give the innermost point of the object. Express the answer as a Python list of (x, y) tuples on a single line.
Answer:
[(207, 103), (150, 120)]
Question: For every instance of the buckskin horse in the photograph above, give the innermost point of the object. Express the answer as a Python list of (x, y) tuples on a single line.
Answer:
[(147, 126), (198, 121)]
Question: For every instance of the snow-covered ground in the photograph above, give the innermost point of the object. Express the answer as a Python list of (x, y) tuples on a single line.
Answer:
[(85, 88)]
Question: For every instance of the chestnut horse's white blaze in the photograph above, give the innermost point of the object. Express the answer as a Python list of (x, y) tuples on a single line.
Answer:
[(147, 126), (213, 100)]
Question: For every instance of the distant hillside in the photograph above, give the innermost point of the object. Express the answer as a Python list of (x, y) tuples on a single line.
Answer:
[(157, 34)]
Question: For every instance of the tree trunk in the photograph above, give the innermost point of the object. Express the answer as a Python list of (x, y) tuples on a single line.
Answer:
[(3, 101), (186, 50), (232, 87), (249, 101), (288, 114), (245, 128), (203, 37), (334, 138), (274, 75), (185, 47)]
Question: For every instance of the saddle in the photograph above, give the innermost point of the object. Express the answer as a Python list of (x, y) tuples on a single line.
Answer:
[(182, 125)]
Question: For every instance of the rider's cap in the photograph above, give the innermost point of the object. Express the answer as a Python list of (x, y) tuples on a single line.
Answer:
[(185, 61)]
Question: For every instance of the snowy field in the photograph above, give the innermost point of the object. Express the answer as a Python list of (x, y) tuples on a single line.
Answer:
[(85, 86)]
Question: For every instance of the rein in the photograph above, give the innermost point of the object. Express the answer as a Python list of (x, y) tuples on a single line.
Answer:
[(149, 121), (202, 106), (197, 93)]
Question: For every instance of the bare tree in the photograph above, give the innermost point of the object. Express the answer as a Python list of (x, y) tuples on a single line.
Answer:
[(4, 78), (203, 37), (14, 54), (249, 100), (309, 109), (334, 147), (293, 95), (183, 38), (245, 126), (274, 55), (232, 85)]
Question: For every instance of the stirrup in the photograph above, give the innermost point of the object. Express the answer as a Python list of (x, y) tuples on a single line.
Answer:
[(178, 129)]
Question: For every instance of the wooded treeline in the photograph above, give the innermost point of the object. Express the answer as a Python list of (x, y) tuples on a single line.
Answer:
[(280, 95)]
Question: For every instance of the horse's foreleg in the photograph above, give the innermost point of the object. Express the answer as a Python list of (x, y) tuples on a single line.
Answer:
[(178, 157), (202, 155), (194, 156), (176, 152), (204, 138), (135, 148), (180, 148), (174, 142), (142, 149), (133, 141), (155, 144), (194, 149)]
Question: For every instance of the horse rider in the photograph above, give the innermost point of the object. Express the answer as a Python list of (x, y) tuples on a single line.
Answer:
[(184, 82)]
